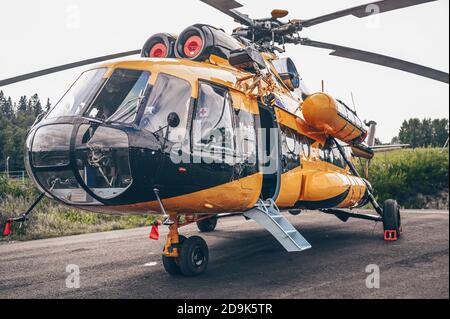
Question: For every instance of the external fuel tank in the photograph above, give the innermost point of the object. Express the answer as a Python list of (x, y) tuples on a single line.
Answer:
[(333, 118)]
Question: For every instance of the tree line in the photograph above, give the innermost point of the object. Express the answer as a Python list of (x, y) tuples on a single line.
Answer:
[(423, 133), (15, 120)]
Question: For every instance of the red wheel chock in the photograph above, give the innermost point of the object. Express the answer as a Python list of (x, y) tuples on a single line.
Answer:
[(7, 229), (390, 235), (154, 234)]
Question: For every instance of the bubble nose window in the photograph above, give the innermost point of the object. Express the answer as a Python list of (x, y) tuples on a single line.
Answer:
[(102, 159), (51, 146), (64, 186)]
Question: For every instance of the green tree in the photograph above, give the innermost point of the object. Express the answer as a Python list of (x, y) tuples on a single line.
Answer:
[(424, 133), (426, 137), (23, 106), (410, 132), (35, 105), (440, 132), (15, 121), (48, 105), (6, 106)]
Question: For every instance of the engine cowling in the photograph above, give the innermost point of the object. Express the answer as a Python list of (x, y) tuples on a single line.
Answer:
[(161, 45), (334, 118), (200, 41)]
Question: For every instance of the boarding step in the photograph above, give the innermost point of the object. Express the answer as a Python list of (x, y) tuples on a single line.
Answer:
[(269, 216)]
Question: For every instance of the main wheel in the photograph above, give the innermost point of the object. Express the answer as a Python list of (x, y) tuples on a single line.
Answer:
[(207, 225), (171, 265), (295, 212), (194, 257), (392, 220)]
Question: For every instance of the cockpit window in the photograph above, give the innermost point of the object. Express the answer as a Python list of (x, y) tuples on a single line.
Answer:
[(169, 95), (212, 131), (119, 99), (79, 94)]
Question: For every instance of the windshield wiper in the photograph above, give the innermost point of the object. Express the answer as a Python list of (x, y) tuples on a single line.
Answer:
[(125, 110)]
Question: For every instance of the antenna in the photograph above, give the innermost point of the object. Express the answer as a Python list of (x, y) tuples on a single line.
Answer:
[(323, 86), (354, 104), (445, 145)]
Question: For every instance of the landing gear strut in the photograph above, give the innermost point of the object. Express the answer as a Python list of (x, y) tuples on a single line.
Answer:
[(390, 213), (184, 256)]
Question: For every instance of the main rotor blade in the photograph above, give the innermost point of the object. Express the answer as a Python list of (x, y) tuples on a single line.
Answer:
[(379, 59), (65, 67), (366, 10), (228, 7)]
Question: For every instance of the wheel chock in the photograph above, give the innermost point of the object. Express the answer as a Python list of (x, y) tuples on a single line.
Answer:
[(390, 235), (154, 234)]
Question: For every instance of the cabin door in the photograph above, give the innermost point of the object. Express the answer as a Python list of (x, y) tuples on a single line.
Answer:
[(269, 153), (291, 170)]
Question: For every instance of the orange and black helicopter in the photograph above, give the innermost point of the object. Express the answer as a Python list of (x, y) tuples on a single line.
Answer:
[(207, 125)]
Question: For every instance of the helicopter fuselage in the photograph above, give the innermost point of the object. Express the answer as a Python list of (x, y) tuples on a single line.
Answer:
[(108, 148)]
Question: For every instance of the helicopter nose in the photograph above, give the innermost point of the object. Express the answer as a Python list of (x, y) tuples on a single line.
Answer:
[(83, 164)]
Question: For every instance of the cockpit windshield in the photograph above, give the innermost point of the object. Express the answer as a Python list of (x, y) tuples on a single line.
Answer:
[(119, 99), (80, 94)]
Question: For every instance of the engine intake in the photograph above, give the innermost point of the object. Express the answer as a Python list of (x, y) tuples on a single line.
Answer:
[(161, 45), (200, 41)]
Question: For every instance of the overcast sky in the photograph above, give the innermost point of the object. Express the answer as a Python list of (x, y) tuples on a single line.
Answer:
[(43, 33)]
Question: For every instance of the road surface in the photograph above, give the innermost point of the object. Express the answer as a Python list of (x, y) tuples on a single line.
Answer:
[(246, 262)]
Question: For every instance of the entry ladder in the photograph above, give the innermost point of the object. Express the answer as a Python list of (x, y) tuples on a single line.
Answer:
[(269, 216)]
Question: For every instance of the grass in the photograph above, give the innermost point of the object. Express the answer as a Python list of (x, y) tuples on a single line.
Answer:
[(413, 177), (51, 219)]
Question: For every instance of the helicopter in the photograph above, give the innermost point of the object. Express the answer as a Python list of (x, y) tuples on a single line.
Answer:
[(207, 125)]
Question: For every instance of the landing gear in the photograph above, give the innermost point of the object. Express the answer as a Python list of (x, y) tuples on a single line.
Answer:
[(392, 221), (194, 257), (171, 264), (184, 256), (295, 212), (390, 214), (207, 225)]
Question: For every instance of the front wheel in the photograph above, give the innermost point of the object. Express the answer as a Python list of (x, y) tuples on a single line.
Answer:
[(194, 257)]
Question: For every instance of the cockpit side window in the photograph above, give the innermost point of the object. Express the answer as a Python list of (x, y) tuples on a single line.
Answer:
[(212, 130), (290, 149), (169, 95)]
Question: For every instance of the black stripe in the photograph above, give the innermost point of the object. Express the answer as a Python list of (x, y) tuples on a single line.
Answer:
[(328, 203)]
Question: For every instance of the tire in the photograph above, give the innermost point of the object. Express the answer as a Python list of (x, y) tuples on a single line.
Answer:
[(207, 225), (392, 218), (171, 265), (295, 212), (194, 257)]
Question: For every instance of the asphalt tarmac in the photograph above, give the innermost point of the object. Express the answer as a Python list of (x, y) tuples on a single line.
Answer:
[(245, 262)]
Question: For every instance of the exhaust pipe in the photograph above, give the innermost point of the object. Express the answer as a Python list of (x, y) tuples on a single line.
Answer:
[(372, 133)]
